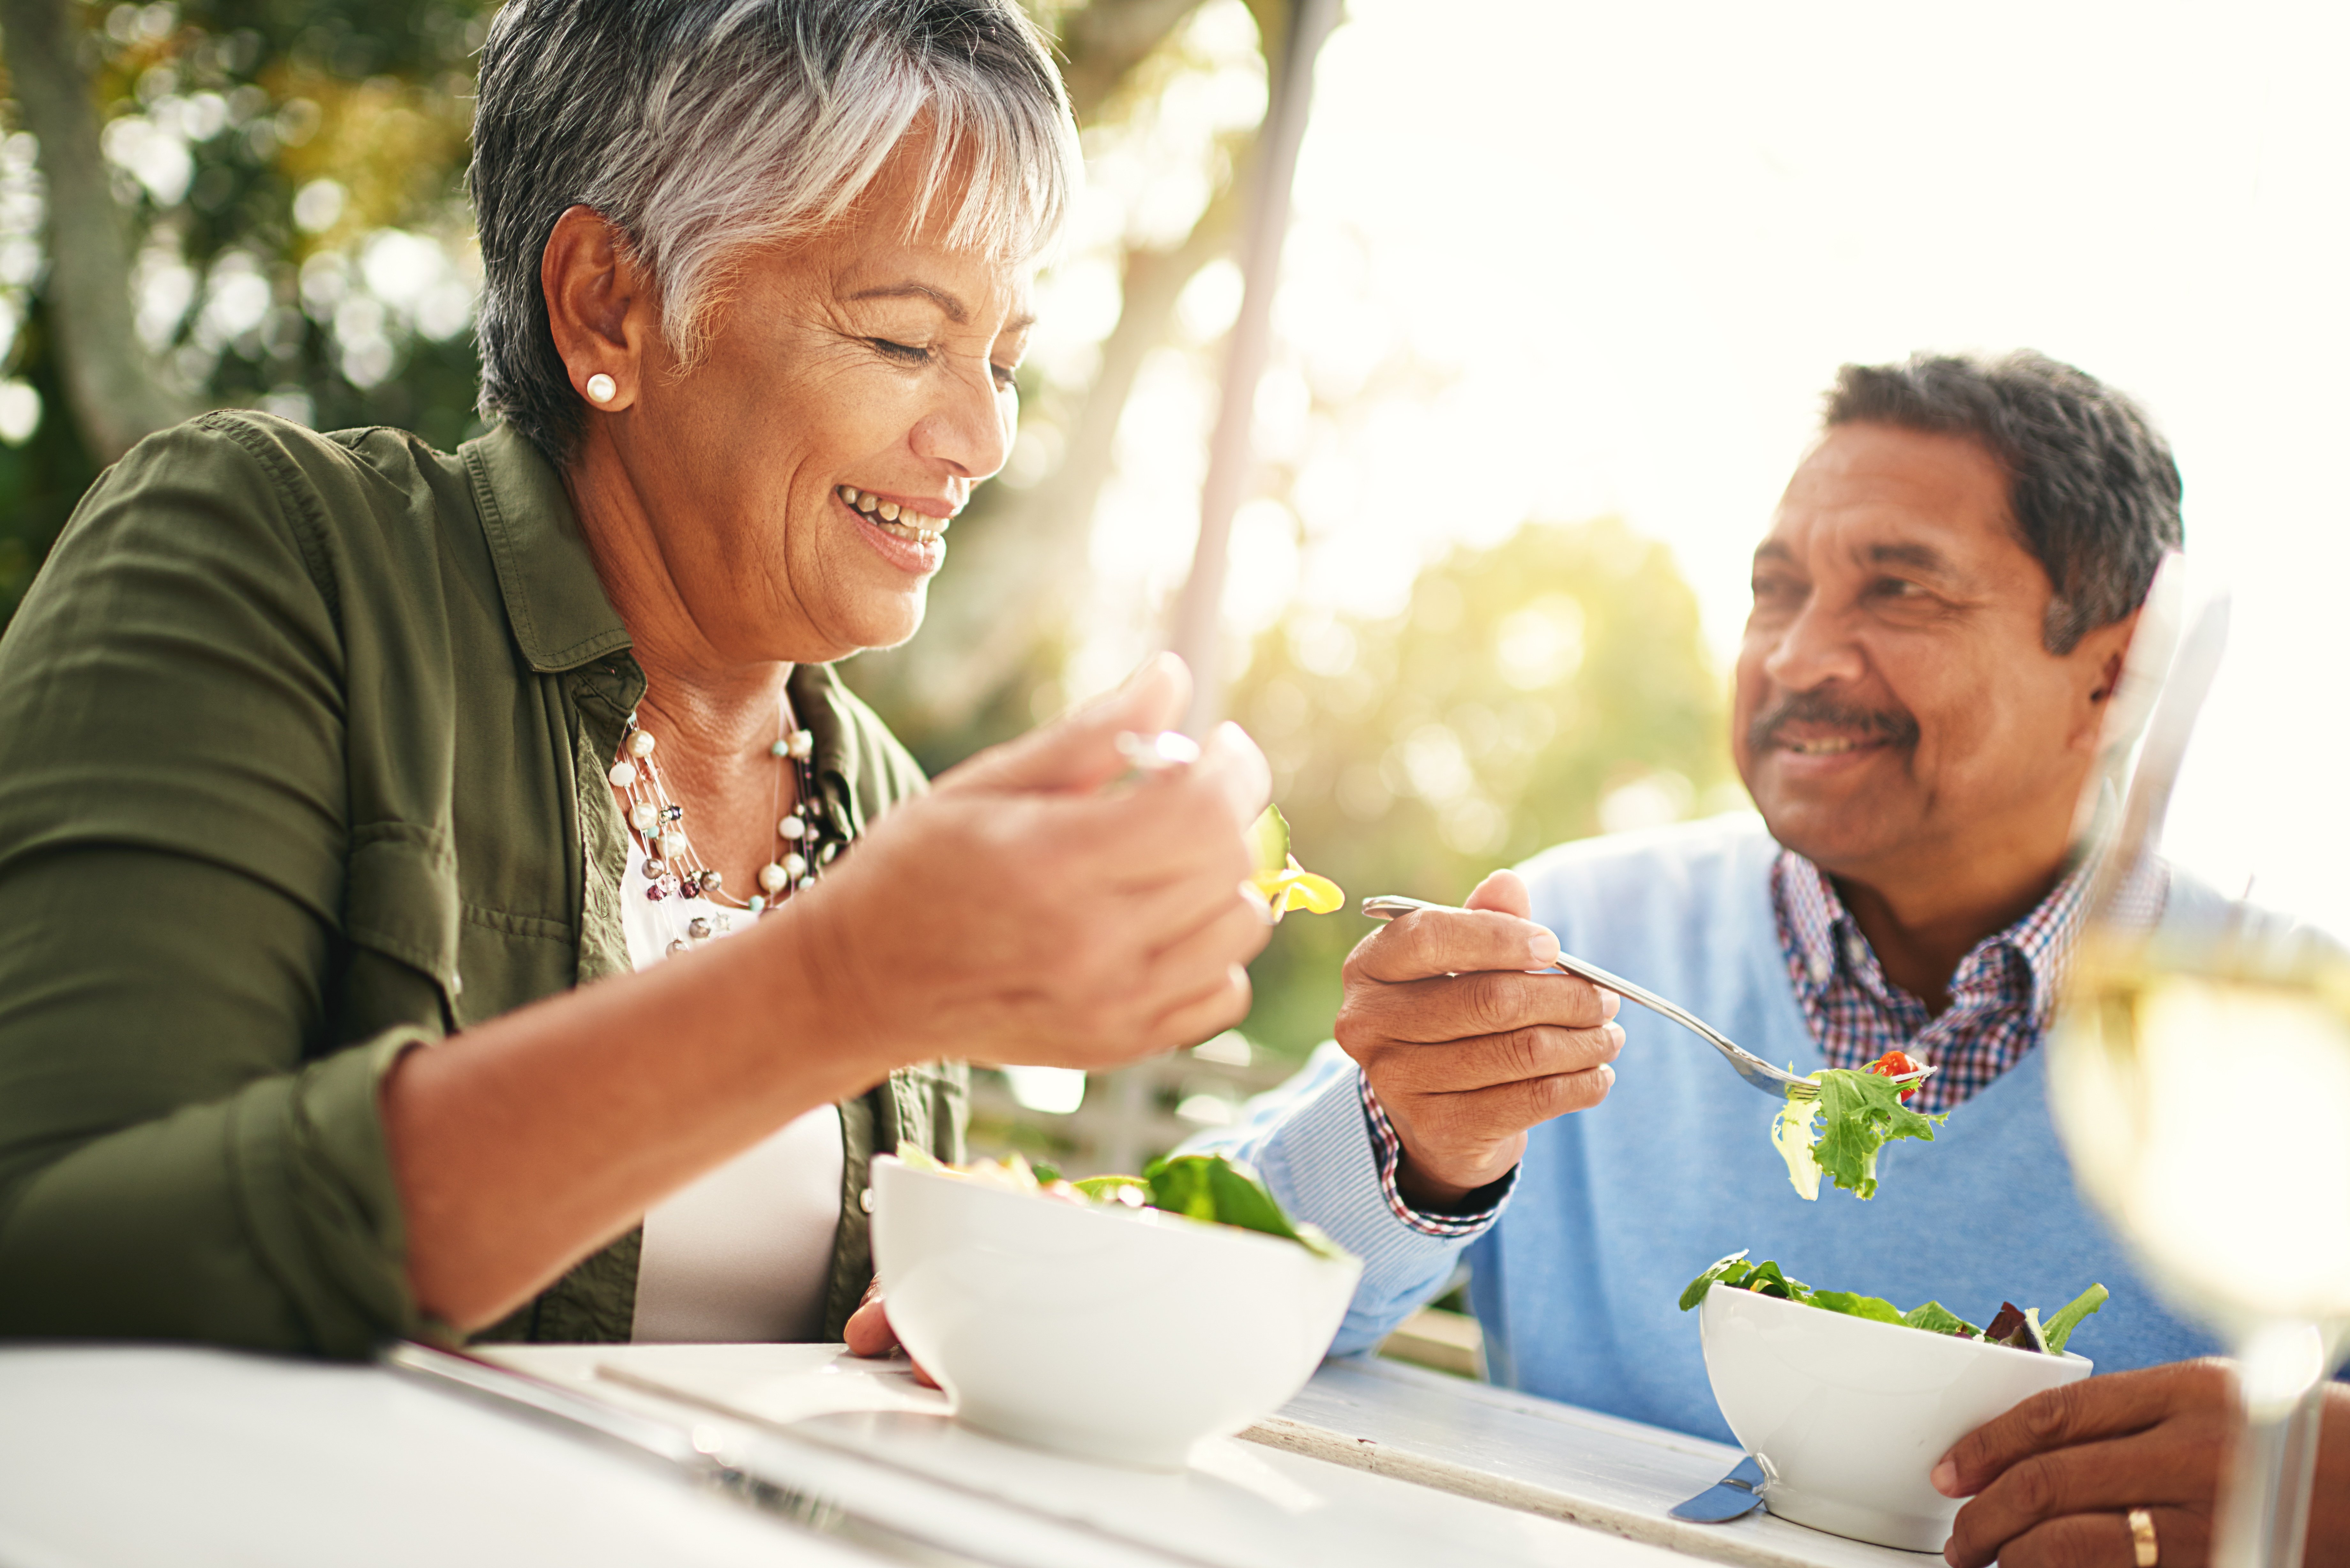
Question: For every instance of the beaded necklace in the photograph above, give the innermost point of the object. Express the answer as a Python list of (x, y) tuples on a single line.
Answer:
[(806, 838)]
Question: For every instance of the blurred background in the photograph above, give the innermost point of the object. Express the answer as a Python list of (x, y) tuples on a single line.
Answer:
[(1564, 285)]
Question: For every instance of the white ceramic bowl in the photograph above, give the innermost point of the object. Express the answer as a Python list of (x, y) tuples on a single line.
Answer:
[(1847, 1417), (1125, 1336)]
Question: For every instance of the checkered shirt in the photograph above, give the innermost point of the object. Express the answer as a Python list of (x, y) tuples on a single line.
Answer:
[(2001, 997), (1387, 1152)]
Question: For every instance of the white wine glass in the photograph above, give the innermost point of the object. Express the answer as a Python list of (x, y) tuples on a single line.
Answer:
[(2199, 1071)]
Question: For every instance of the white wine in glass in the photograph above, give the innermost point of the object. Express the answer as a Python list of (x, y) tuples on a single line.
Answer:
[(2199, 1071)]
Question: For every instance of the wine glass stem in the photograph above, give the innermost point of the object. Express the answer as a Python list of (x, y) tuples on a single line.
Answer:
[(2264, 1516)]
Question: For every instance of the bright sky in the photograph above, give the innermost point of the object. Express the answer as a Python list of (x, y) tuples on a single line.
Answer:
[(1637, 240), (1647, 234)]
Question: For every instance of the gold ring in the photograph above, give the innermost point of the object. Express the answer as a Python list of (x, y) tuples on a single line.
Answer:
[(2149, 1552)]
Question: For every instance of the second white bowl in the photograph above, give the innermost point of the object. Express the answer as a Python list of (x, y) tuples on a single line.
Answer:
[(1847, 1417)]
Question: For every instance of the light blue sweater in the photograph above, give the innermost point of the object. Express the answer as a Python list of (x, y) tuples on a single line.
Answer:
[(1616, 1209)]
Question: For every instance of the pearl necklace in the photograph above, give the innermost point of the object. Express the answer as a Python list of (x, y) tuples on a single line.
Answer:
[(674, 869)]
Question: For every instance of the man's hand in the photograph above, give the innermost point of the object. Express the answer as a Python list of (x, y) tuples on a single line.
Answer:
[(1464, 1049), (2054, 1478)]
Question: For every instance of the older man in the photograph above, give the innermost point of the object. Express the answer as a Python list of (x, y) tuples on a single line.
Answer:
[(1940, 611)]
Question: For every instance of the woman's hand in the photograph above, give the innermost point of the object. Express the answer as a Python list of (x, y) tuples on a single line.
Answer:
[(868, 1333), (1023, 912), (2054, 1478)]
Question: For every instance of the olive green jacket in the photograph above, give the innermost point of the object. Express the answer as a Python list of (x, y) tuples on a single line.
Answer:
[(302, 753)]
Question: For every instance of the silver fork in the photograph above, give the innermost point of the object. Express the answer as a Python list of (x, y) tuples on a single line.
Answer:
[(1772, 1081)]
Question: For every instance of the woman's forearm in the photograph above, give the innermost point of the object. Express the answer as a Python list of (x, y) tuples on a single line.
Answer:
[(522, 1145)]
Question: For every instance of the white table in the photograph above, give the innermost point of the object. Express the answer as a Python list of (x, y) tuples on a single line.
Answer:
[(135, 1456)]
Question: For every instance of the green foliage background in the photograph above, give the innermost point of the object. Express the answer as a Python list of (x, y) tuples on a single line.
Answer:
[(1414, 754), (267, 96)]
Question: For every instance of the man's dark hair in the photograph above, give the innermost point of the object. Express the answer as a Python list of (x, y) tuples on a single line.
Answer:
[(2091, 485)]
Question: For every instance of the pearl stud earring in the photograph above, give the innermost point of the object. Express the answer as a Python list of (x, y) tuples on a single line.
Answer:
[(602, 388)]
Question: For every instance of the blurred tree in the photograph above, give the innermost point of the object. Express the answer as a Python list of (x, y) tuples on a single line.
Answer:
[(115, 392), (1551, 687), (228, 202)]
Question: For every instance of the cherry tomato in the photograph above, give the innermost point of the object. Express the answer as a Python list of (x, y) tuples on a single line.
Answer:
[(1893, 1064)]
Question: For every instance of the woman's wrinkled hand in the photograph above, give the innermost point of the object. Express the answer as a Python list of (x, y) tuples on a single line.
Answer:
[(868, 1333), (1025, 911), (2054, 1480)]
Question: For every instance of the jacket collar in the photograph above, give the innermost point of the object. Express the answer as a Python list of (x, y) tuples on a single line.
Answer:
[(556, 603), (561, 617)]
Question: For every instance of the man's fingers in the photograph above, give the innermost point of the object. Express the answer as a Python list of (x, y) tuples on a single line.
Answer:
[(1503, 892), (2100, 1539), (1460, 1066), (1430, 942), (1486, 1116), (1079, 752), (2171, 1466), (1467, 1007), (2112, 1405)]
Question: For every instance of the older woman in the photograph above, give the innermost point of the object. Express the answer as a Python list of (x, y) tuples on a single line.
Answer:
[(333, 768)]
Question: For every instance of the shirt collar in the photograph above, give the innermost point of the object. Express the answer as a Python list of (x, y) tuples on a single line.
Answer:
[(554, 601), (1827, 938)]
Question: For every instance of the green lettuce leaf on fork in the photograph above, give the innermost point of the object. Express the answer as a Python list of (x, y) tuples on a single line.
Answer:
[(1840, 1132)]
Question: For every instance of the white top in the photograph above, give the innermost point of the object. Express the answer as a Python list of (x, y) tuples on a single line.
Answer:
[(743, 1253)]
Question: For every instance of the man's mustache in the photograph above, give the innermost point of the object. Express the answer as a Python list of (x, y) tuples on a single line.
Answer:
[(1893, 725)]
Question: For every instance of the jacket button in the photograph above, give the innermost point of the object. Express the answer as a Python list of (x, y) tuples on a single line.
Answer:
[(864, 1200)]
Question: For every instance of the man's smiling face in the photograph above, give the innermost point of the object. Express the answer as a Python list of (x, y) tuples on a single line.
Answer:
[(1895, 704)]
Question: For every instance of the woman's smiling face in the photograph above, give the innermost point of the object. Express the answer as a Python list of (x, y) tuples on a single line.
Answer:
[(796, 478)]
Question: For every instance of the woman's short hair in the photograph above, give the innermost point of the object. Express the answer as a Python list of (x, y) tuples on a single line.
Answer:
[(700, 127)]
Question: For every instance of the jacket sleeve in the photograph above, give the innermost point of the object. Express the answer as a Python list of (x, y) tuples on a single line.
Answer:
[(1318, 1143), (183, 1153)]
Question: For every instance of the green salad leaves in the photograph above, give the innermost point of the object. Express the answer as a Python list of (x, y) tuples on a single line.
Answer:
[(1856, 1113), (1204, 1187), (2017, 1327), (1209, 1186)]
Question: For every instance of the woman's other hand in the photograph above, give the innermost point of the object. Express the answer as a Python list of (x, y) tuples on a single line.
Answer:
[(1024, 912), (868, 1333)]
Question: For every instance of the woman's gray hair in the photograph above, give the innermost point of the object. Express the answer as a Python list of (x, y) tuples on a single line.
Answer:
[(702, 126)]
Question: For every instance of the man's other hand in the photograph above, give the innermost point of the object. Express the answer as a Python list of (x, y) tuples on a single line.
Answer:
[(1463, 1047), (2054, 1478)]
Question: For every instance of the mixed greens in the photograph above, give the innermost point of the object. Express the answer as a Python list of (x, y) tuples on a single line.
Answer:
[(1205, 1186), (2019, 1328), (1857, 1112)]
